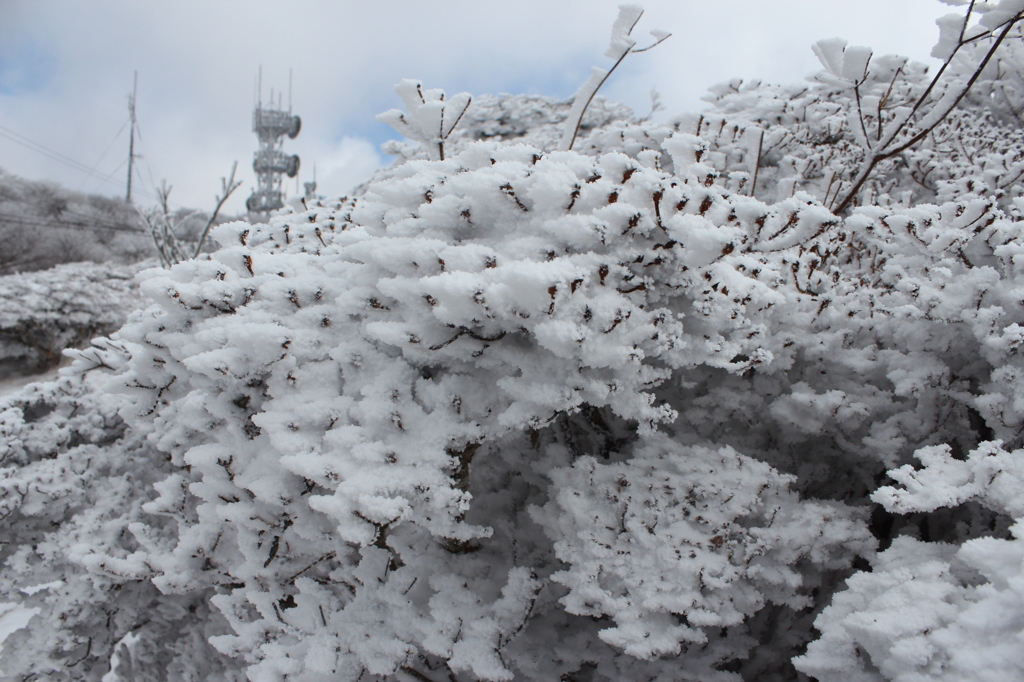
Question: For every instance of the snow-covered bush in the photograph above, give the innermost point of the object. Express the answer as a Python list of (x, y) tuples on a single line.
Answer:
[(391, 355), (513, 412), (44, 312), (430, 119), (871, 129), (528, 119), (72, 482), (933, 610)]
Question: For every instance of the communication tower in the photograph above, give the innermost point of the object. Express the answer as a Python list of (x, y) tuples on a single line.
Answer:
[(271, 124), (311, 186)]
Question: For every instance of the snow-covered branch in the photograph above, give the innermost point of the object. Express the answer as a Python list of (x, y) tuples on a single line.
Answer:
[(621, 45)]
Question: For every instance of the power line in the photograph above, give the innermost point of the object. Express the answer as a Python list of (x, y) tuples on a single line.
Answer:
[(37, 221), (142, 187), (152, 190), (69, 226), (116, 170), (49, 153), (90, 220), (106, 151)]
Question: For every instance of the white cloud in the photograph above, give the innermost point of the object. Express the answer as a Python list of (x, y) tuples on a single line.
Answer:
[(348, 165)]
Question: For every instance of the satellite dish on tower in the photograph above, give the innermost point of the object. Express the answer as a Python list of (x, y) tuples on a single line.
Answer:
[(269, 162)]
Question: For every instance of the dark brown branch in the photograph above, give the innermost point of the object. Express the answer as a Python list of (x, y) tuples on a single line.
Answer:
[(228, 186), (882, 155)]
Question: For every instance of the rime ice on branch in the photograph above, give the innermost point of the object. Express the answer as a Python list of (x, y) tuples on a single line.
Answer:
[(429, 119), (619, 47)]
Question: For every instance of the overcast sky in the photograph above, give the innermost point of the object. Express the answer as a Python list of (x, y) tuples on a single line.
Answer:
[(66, 69)]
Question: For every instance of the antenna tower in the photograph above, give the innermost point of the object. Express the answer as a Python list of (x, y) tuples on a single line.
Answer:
[(311, 186), (270, 163)]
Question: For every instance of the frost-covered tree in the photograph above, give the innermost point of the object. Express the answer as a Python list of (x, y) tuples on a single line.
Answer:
[(42, 225), (648, 408)]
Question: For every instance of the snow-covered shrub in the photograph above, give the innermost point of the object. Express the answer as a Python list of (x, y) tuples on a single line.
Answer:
[(540, 121), (615, 413), (1000, 87), (44, 312), (677, 540), (72, 482), (383, 348), (621, 45), (869, 129), (798, 138), (528, 119), (933, 610)]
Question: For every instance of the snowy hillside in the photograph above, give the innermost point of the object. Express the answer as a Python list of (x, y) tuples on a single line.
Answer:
[(42, 225)]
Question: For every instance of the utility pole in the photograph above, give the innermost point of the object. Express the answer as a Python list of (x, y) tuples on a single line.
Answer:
[(131, 137)]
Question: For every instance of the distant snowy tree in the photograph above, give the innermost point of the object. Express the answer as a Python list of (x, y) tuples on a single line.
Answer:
[(649, 408), (42, 225)]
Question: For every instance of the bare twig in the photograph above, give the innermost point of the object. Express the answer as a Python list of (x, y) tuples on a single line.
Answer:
[(585, 95), (163, 227), (757, 164), (228, 186)]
